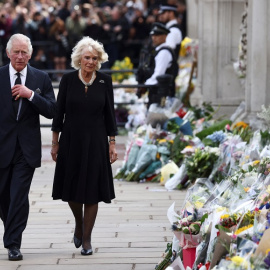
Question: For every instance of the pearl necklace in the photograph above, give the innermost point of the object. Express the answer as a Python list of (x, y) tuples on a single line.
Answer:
[(84, 82)]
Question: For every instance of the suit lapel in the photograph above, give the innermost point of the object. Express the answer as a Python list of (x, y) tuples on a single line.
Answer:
[(6, 94)]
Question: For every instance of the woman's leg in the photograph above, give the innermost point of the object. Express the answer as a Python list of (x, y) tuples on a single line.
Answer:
[(76, 209), (90, 213)]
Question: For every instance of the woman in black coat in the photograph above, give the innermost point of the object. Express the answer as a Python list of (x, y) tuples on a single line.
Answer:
[(86, 148)]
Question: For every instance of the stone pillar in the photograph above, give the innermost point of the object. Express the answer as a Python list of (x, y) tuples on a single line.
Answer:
[(258, 64), (219, 36), (192, 19)]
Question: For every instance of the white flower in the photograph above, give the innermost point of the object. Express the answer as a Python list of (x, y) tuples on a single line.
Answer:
[(184, 222)]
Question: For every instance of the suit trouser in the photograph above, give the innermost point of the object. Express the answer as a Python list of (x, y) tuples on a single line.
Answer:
[(15, 182)]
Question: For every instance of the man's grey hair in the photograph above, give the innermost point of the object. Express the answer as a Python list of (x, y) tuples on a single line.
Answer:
[(20, 37)]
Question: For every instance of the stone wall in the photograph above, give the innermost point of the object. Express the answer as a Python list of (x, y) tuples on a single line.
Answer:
[(218, 24)]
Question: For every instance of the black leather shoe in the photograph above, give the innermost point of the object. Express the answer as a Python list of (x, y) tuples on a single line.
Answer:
[(86, 252), (14, 254), (77, 241)]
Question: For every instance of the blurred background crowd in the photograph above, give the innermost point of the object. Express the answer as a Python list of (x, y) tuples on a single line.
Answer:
[(55, 26)]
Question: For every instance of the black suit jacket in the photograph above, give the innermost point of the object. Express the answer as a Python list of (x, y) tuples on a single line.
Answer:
[(27, 128)]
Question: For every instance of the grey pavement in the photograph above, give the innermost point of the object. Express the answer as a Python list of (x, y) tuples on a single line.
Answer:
[(131, 233)]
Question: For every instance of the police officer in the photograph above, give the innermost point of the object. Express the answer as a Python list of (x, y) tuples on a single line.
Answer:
[(168, 15), (164, 62)]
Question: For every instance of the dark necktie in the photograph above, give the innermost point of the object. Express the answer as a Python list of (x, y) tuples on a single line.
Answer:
[(18, 80), (16, 102)]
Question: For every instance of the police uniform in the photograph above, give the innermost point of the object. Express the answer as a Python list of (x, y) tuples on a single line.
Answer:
[(174, 38), (163, 63)]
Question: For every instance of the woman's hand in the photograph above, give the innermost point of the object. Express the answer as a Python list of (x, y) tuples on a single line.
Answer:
[(112, 152), (54, 151)]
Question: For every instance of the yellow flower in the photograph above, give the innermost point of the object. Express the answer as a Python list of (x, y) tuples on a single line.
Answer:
[(221, 208), (239, 261), (240, 124), (184, 43), (268, 189), (246, 189), (121, 65), (225, 216), (127, 60), (162, 141), (198, 205), (255, 162), (243, 229)]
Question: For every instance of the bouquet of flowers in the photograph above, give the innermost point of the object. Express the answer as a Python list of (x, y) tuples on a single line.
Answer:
[(179, 143), (201, 163), (120, 65), (145, 156), (187, 229), (243, 130)]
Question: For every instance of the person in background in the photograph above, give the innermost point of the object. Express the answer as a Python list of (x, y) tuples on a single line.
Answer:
[(75, 26), (116, 33), (26, 93), (64, 11), (162, 62), (168, 15), (86, 148), (5, 33), (60, 48)]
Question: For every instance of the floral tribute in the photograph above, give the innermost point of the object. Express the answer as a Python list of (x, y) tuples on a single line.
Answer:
[(229, 182), (121, 65)]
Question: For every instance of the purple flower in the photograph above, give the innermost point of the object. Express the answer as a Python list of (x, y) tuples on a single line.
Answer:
[(267, 260)]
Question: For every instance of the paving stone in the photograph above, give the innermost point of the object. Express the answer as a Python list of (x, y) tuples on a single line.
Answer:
[(131, 233)]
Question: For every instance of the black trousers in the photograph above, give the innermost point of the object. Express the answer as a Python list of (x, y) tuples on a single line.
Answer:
[(15, 182)]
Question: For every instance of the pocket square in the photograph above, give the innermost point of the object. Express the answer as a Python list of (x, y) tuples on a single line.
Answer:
[(101, 81), (38, 91)]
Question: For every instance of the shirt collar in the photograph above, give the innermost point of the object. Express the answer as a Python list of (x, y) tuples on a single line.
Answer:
[(160, 46), (12, 71), (170, 23)]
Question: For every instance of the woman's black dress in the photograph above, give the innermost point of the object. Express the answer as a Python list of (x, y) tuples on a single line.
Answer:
[(83, 171)]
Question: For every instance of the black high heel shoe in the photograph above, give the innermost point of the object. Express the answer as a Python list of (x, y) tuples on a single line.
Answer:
[(86, 252), (77, 241)]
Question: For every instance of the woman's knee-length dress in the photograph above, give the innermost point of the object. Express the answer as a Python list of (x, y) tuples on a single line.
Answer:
[(83, 171)]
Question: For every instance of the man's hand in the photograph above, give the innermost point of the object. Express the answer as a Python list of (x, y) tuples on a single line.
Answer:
[(21, 91)]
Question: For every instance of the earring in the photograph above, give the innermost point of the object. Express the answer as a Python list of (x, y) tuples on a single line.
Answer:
[(79, 63)]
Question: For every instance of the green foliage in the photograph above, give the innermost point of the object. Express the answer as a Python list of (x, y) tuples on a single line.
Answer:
[(200, 164), (209, 142), (204, 111), (221, 228), (156, 178), (245, 133), (204, 217), (173, 127), (121, 65), (220, 125), (178, 145), (167, 260), (265, 137)]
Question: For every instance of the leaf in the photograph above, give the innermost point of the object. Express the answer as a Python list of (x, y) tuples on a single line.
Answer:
[(204, 217), (221, 228), (186, 231)]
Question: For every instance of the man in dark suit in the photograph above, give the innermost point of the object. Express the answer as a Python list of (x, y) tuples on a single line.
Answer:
[(26, 93)]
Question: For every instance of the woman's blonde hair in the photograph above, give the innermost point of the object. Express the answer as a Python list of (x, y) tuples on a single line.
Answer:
[(90, 44)]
